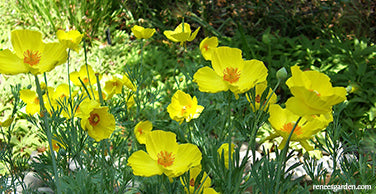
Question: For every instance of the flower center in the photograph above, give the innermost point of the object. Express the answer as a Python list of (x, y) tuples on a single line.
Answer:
[(140, 130), (94, 119), (55, 146), (86, 80), (32, 57), (288, 127), (36, 100), (231, 74), (258, 98), (192, 182), (184, 109), (165, 159), (206, 47), (316, 92)]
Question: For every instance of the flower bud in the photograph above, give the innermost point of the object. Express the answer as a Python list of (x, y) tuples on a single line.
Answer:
[(282, 74)]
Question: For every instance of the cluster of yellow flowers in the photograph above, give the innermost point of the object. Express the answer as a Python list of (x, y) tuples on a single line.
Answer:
[(313, 99), (31, 55), (313, 94), (307, 112), (165, 156)]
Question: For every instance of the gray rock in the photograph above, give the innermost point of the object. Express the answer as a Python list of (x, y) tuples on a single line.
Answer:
[(45, 190), (32, 180)]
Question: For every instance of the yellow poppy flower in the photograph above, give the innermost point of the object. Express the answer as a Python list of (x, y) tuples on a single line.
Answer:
[(164, 156), (70, 39), (209, 191), (181, 35), (31, 99), (207, 46), (62, 91), (183, 106), (141, 32), (224, 149), (142, 130), (259, 90), (58, 95), (205, 181), (83, 75), (230, 72), (130, 100), (96, 120), (56, 145), (113, 86), (283, 121), (31, 54), (313, 93), (127, 82)]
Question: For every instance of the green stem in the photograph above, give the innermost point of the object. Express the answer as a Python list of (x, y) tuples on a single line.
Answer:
[(83, 85), (69, 84), (48, 94), (46, 126), (139, 78), (258, 117), (229, 96), (282, 157), (70, 88), (99, 89), (87, 71)]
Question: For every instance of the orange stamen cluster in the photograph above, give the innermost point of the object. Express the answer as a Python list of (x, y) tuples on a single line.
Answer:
[(165, 158), (140, 130), (94, 119), (36, 100), (258, 99), (316, 92), (86, 80), (184, 109), (32, 57), (231, 74), (288, 127), (206, 47)]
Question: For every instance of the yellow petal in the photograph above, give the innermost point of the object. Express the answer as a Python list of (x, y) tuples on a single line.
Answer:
[(70, 39), (187, 156), (28, 96), (207, 47), (142, 130), (181, 36), (11, 64), (158, 141), (253, 72), (137, 31), (32, 108), (305, 145), (148, 32), (105, 125), (179, 28), (225, 57), (277, 116), (194, 34), (143, 165), (209, 191), (168, 34), (23, 40), (209, 81), (307, 104), (54, 54)]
